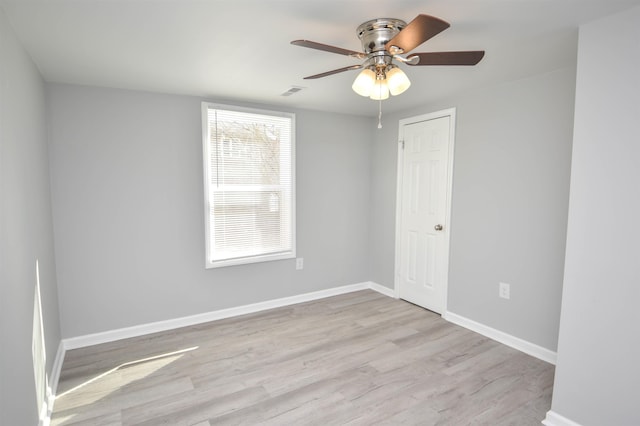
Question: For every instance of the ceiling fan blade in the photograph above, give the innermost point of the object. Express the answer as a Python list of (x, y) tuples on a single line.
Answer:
[(324, 74), (421, 29), (447, 58), (325, 47)]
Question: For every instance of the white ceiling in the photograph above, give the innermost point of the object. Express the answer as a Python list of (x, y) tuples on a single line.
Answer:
[(240, 49)]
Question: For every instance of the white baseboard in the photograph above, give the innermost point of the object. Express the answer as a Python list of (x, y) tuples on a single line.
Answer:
[(44, 418), (382, 289), (555, 419), (502, 337), (140, 330), (55, 374), (47, 406)]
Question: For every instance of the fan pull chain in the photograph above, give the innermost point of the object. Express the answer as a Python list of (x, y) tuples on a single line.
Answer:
[(380, 114)]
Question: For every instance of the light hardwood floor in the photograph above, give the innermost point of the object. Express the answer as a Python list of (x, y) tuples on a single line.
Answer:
[(358, 359)]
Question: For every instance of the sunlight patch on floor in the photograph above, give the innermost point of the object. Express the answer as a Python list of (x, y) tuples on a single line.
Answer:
[(110, 381)]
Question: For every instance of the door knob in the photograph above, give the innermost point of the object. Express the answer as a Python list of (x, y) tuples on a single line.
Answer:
[(438, 227)]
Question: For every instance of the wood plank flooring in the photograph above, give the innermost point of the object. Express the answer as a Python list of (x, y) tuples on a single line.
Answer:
[(357, 359)]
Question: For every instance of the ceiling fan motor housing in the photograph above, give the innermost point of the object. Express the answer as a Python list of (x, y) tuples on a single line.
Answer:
[(374, 35)]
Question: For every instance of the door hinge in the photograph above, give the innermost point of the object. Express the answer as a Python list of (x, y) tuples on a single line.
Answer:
[(401, 143)]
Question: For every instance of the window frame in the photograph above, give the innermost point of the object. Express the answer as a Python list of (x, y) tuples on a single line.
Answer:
[(206, 138)]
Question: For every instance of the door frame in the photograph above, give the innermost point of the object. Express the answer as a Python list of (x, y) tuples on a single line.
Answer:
[(451, 113)]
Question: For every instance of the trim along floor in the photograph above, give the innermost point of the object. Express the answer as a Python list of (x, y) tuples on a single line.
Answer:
[(359, 358)]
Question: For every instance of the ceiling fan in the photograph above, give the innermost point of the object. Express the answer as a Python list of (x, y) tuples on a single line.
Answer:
[(385, 40)]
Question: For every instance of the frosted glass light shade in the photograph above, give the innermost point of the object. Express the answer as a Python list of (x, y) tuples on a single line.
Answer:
[(364, 82), (397, 81), (380, 91)]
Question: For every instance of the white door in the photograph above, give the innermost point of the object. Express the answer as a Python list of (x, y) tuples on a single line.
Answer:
[(422, 239)]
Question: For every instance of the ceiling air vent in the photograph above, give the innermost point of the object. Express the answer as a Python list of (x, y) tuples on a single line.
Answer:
[(292, 90)]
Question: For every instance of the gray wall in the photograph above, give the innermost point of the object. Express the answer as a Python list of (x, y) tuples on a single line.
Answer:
[(509, 207), (597, 374), (26, 230), (128, 210)]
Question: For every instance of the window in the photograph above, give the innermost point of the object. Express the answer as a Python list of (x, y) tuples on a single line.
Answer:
[(249, 190)]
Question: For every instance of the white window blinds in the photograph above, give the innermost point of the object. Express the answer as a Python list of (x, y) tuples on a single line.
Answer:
[(249, 185)]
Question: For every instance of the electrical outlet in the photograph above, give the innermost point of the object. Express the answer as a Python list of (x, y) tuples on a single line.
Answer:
[(299, 263), (504, 290)]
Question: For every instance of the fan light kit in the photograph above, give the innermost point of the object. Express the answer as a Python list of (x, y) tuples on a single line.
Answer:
[(385, 40), (379, 84)]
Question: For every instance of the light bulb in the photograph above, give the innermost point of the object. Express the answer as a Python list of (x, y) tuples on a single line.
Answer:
[(364, 82), (397, 81), (380, 91)]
